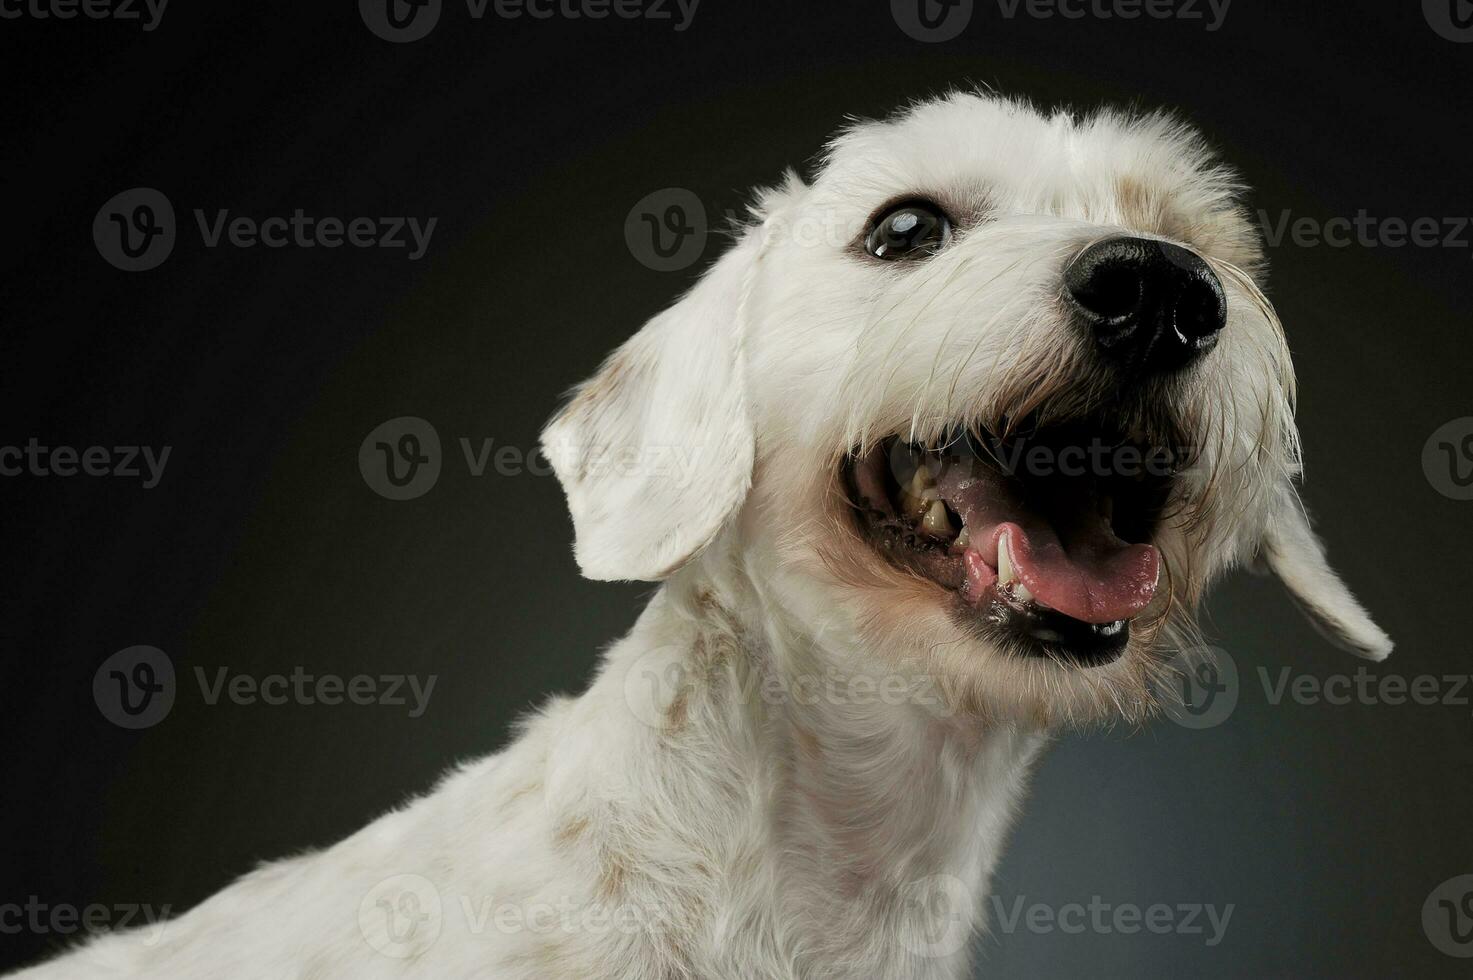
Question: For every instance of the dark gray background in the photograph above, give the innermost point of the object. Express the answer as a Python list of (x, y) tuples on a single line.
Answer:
[(1325, 827)]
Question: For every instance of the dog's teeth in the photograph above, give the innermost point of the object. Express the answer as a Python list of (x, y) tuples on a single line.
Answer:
[(936, 523), (916, 498), (964, 540)]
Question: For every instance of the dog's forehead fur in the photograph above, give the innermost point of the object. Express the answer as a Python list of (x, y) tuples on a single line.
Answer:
[(981, 156)]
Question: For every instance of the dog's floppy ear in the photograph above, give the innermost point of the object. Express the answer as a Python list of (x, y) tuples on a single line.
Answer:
[(1291, 550), (655, 450)]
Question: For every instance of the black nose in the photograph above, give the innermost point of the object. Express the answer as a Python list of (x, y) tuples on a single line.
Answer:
[(1153, 307)]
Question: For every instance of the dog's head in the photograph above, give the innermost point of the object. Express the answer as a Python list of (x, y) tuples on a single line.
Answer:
[(998, 394)]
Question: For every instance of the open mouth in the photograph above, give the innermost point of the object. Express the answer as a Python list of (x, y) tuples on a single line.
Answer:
[(1043, 535)]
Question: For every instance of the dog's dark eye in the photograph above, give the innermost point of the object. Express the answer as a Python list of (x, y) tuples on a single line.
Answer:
[(912, 230)]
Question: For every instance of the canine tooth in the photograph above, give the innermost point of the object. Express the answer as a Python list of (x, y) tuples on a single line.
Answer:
[(1021, 593), (936, 523), (915, 499), (964, 540)]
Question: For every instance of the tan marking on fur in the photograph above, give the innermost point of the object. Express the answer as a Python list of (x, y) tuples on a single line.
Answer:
[(678, 713), (610, 377), (611, 879), (596, 392), (569, 833), (550, 959), (808, 742), (1143, 207), (516, 796)]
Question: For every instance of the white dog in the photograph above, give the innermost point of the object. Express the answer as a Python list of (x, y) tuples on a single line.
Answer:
[(967, 426)]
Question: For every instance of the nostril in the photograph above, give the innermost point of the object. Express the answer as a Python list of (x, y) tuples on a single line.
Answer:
[(1200, 312), (1113, 292), (1107, 281)]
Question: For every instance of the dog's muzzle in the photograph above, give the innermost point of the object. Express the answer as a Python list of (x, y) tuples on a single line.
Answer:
[(1151, 307)]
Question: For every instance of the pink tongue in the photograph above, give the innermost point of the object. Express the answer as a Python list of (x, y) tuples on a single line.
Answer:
[(1063, 548)]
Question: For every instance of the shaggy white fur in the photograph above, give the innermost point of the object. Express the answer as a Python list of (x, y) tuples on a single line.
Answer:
[(800, 764)]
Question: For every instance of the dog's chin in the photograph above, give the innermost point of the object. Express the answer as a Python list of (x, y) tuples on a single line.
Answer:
[(1037, 542)]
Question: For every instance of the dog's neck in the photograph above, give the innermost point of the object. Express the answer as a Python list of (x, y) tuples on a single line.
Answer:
[(853, 820)]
